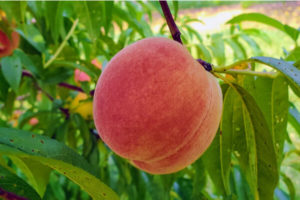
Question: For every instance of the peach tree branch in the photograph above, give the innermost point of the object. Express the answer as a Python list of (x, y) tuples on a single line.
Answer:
[(170, 21), (9, 195), (62, 45), (175, 31)]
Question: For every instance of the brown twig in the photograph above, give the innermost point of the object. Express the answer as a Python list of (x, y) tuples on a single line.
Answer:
[(170, 21), (10, 196), (175, 31)]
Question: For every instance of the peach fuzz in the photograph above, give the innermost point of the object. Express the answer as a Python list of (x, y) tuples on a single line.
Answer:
[(156, 106)]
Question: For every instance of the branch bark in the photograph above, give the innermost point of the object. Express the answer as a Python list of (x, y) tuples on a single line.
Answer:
[(9, 195), (170, 21)]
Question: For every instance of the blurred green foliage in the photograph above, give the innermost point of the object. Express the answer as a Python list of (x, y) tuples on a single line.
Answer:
[(61, 156)]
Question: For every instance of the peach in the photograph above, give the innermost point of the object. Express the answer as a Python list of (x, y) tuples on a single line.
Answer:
[(33, 121), (81, 76), (96, 63), (157, 106), (8, 45)]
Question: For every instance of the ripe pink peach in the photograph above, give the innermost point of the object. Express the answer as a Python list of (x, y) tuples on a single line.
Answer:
[(156, 106)]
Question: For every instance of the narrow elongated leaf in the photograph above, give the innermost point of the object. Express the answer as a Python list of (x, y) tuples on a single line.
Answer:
[(74, 65), (252, 153), (226, 138), (218, 48), (271, 95), (193, 32), (107, 14), (4, 86), (267, 171), (56, 155), (175, 5), (12, 71), (261, 18), (212, 163), (14, 10), (33, 36), (12, 183), (37, 174), (254, 46), (294, 118), (80, 123), (27, 63), (290, 186), (203, 52), (279, 110), (132, 22), (89, 16), (294, 55), (50, 18), (199, 179), (237, 51), (288, 70), (258, 34)]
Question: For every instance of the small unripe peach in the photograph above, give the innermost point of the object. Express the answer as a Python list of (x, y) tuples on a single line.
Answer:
[(81, 76), (96, 63), (157, 106), (33, 121)]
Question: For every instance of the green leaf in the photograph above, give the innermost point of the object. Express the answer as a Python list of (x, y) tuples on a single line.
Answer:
[(175, 6), (218, 48), (4, 86), (203, 52), (89, 16), (290, 186), (55, 75), (73, 65), (33, 36), (27, 63), (226, 137), (255, 48), (37, 174), (241, 186), (257, 33), (12, 183), (252, 174), (108, 10), (258, 17), (9, 103), (271, 96), (193, 32), (236, 48), (199, 179), (287, 69), (132, 22), (14, 10), (294, 118), (12, 71), (23, 144), (54, 18), (212, 162), (279, 115), (294, 55), (80, 124), (255, 123)]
